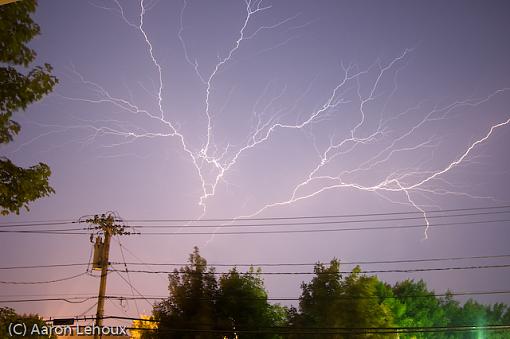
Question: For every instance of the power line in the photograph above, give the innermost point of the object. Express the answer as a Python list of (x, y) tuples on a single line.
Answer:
[(411, 270), (318, 216), (320, 222), (318, 330), (360, 262), (128, 277), (416, 296), (374, 228), (43, 223), (329, 222), (49, 231), (311, 331), (44, 281), (123, 297), (321, 230), (211, 328), (42, 266), (63, 222), (121, 307), (88, 309), (48, 221), (132, 287), (333, 331), (55, 295), (137, 258), (71, 300), (365, 262)]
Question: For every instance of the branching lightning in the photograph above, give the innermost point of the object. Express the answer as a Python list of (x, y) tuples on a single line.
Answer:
[(325, 175)]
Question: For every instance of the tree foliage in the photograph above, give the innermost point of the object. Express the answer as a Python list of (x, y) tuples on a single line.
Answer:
[(422, 308), (200, 301), (193, 290), (9, 316), (333, 301), (242, 303), (19, 186), (473, 313), (331, 305)]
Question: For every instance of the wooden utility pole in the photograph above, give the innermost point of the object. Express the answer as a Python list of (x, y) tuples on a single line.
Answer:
[(104, 271), (104, 224)]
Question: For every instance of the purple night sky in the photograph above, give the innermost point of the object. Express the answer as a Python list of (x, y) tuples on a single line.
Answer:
[(223, 109)]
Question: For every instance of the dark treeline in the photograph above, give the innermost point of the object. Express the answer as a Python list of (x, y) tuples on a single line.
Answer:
[(8, 316), (332, 305)]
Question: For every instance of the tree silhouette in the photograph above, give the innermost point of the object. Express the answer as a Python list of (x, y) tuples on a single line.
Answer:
[(19, 186)]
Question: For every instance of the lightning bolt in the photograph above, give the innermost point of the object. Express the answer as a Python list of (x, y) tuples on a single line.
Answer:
[(391, 185), (347, 96), (203, 160)]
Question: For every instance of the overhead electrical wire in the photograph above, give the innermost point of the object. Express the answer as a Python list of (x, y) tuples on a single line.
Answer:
[(430, 212), (7, 228), (120, 308), (329, 222), (411, 270), (358, 262), (361, 262), (43, 281), (320, 222), (322, 230), (333, 330), (39, 222), (319, 230), (128, 282), (127, 273), (42, 223), (313, 331), (42, 266), (69, 230), (209, 328), (71, 300), (416, 296), (49, 231), (46, 295), (127, 297), (88, 309), (319, 216)]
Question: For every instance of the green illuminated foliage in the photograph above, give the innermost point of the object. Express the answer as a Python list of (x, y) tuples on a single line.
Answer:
[(422, 308), (331, 300), (331, 305)]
